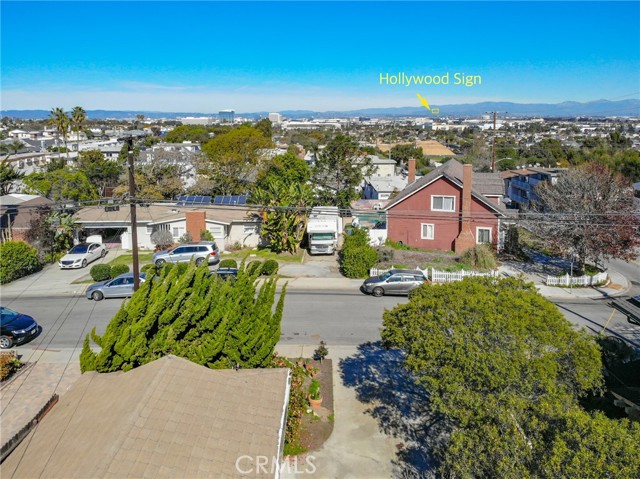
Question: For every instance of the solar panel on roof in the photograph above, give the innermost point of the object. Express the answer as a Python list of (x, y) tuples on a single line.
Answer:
[(231, 200), (184, 200)]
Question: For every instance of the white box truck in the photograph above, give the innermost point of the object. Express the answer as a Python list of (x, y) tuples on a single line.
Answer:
[(324, 229)]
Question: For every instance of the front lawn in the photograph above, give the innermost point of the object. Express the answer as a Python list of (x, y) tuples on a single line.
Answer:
[(143, 258), (261, 254)]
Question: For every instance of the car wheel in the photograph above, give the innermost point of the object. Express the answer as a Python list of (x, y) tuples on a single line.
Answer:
[(84, 263), (5, 342), (104, 253), (97, 296), (377, 292), (160, 262), (199, 261)]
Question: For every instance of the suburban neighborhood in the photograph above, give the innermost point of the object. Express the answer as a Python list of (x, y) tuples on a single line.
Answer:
[(227, 254)]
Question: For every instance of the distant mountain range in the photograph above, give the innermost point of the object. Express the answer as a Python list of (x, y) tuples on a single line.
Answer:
[(598, 108)]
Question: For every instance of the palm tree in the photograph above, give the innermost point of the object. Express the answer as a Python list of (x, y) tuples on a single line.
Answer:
[(78, 117), (60, 120)]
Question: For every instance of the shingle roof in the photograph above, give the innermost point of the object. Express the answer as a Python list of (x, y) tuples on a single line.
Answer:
[(452, 170), (158, 213), (490, 184), (169, 418)]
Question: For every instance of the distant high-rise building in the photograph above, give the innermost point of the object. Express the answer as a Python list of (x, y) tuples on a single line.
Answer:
[(226, 116), (275, 118), (190, 120)]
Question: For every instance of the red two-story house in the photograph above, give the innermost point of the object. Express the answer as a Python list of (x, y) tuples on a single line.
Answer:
[(450, 209)]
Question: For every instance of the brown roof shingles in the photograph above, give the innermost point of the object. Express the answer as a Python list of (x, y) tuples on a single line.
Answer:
[(169, 418)]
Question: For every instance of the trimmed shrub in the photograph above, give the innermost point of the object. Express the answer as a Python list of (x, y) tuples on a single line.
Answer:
[(119, 269), (357, 238), (100, 272), (17, 259), (9, 364), (270, 267), (356, 262), (228, 263), (479, 257), (149, 269), (254, 267), (205, 235)]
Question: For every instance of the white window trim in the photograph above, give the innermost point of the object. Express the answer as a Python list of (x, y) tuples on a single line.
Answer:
[(478, 228), (433, 231), (444, 196)]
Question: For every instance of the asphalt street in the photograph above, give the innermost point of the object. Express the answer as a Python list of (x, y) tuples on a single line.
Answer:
[(337, 317)]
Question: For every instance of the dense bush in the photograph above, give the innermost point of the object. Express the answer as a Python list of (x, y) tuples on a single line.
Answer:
[(254, 266), (356, 262), (9, 363), (205, 235), (188, 313), (119, 269), (228, 263), (270, 267), (148, 268), (17, 259), (479, 257), (100, 272)]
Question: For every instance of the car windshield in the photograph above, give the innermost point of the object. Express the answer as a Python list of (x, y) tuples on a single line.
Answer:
[(7, 315), (79, 249), (385, 275)]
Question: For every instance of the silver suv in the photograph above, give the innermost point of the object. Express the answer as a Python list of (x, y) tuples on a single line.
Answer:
[(201, 252), (395, 281)]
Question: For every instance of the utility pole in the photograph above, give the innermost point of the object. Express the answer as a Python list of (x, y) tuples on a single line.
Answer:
[(134, 224)]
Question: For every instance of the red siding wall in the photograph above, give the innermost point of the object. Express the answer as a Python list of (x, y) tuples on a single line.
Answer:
[(404, 219)]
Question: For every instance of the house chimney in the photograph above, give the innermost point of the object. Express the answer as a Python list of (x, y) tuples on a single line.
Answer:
[(412, 171), (196, 222), (465, 240)]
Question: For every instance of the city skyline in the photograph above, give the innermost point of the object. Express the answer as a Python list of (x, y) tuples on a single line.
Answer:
[(317, 56)]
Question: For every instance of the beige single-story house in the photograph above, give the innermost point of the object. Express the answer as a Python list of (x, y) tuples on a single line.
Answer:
[(228, 224), (170, 418)]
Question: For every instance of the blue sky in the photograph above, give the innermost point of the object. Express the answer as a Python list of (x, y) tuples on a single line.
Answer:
[(205, 56)]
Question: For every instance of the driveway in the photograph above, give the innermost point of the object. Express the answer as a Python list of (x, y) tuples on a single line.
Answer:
[(53, 281)]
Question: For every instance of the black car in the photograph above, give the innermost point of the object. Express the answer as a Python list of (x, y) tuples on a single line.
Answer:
[(226, 273), (16, 328)]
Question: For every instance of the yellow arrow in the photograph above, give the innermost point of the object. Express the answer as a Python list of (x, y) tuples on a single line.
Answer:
[(424, 102)]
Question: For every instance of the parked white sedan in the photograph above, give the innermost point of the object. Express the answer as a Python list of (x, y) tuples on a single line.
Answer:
[(81, 255)]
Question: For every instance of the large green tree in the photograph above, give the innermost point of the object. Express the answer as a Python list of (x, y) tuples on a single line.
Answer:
[(505, 369), (189, 313), (339, 171), (233, 160), (100, 171), (61, 185)]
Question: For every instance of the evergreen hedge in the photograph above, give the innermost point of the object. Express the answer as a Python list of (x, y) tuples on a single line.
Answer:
[(100, 272), (17, 259), (119, 269), (356, 256), (270, 267), (188, 313), (228, 263)]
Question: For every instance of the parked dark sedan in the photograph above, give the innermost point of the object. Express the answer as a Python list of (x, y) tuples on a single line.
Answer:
[(16, 328)]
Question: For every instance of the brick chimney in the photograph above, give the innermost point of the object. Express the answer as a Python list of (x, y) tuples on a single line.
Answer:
[(465, 240), (412, 171), (196, 223)]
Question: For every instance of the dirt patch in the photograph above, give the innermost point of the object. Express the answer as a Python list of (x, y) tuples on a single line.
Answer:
[(317, 425), (422, 259)]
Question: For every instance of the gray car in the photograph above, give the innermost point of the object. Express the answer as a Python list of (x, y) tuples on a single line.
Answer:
[(200, 252), (395, 281), (118, 287)]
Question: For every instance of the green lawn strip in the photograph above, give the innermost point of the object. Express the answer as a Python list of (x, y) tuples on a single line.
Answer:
[(143, 258), (261, 254)]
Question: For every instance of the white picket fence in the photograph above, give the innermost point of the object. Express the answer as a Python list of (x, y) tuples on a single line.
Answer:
[(586, 280), (448, 277), (438, 276)]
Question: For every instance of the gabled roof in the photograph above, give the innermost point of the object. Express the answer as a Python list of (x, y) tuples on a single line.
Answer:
[(453, 171), (169, 418)]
